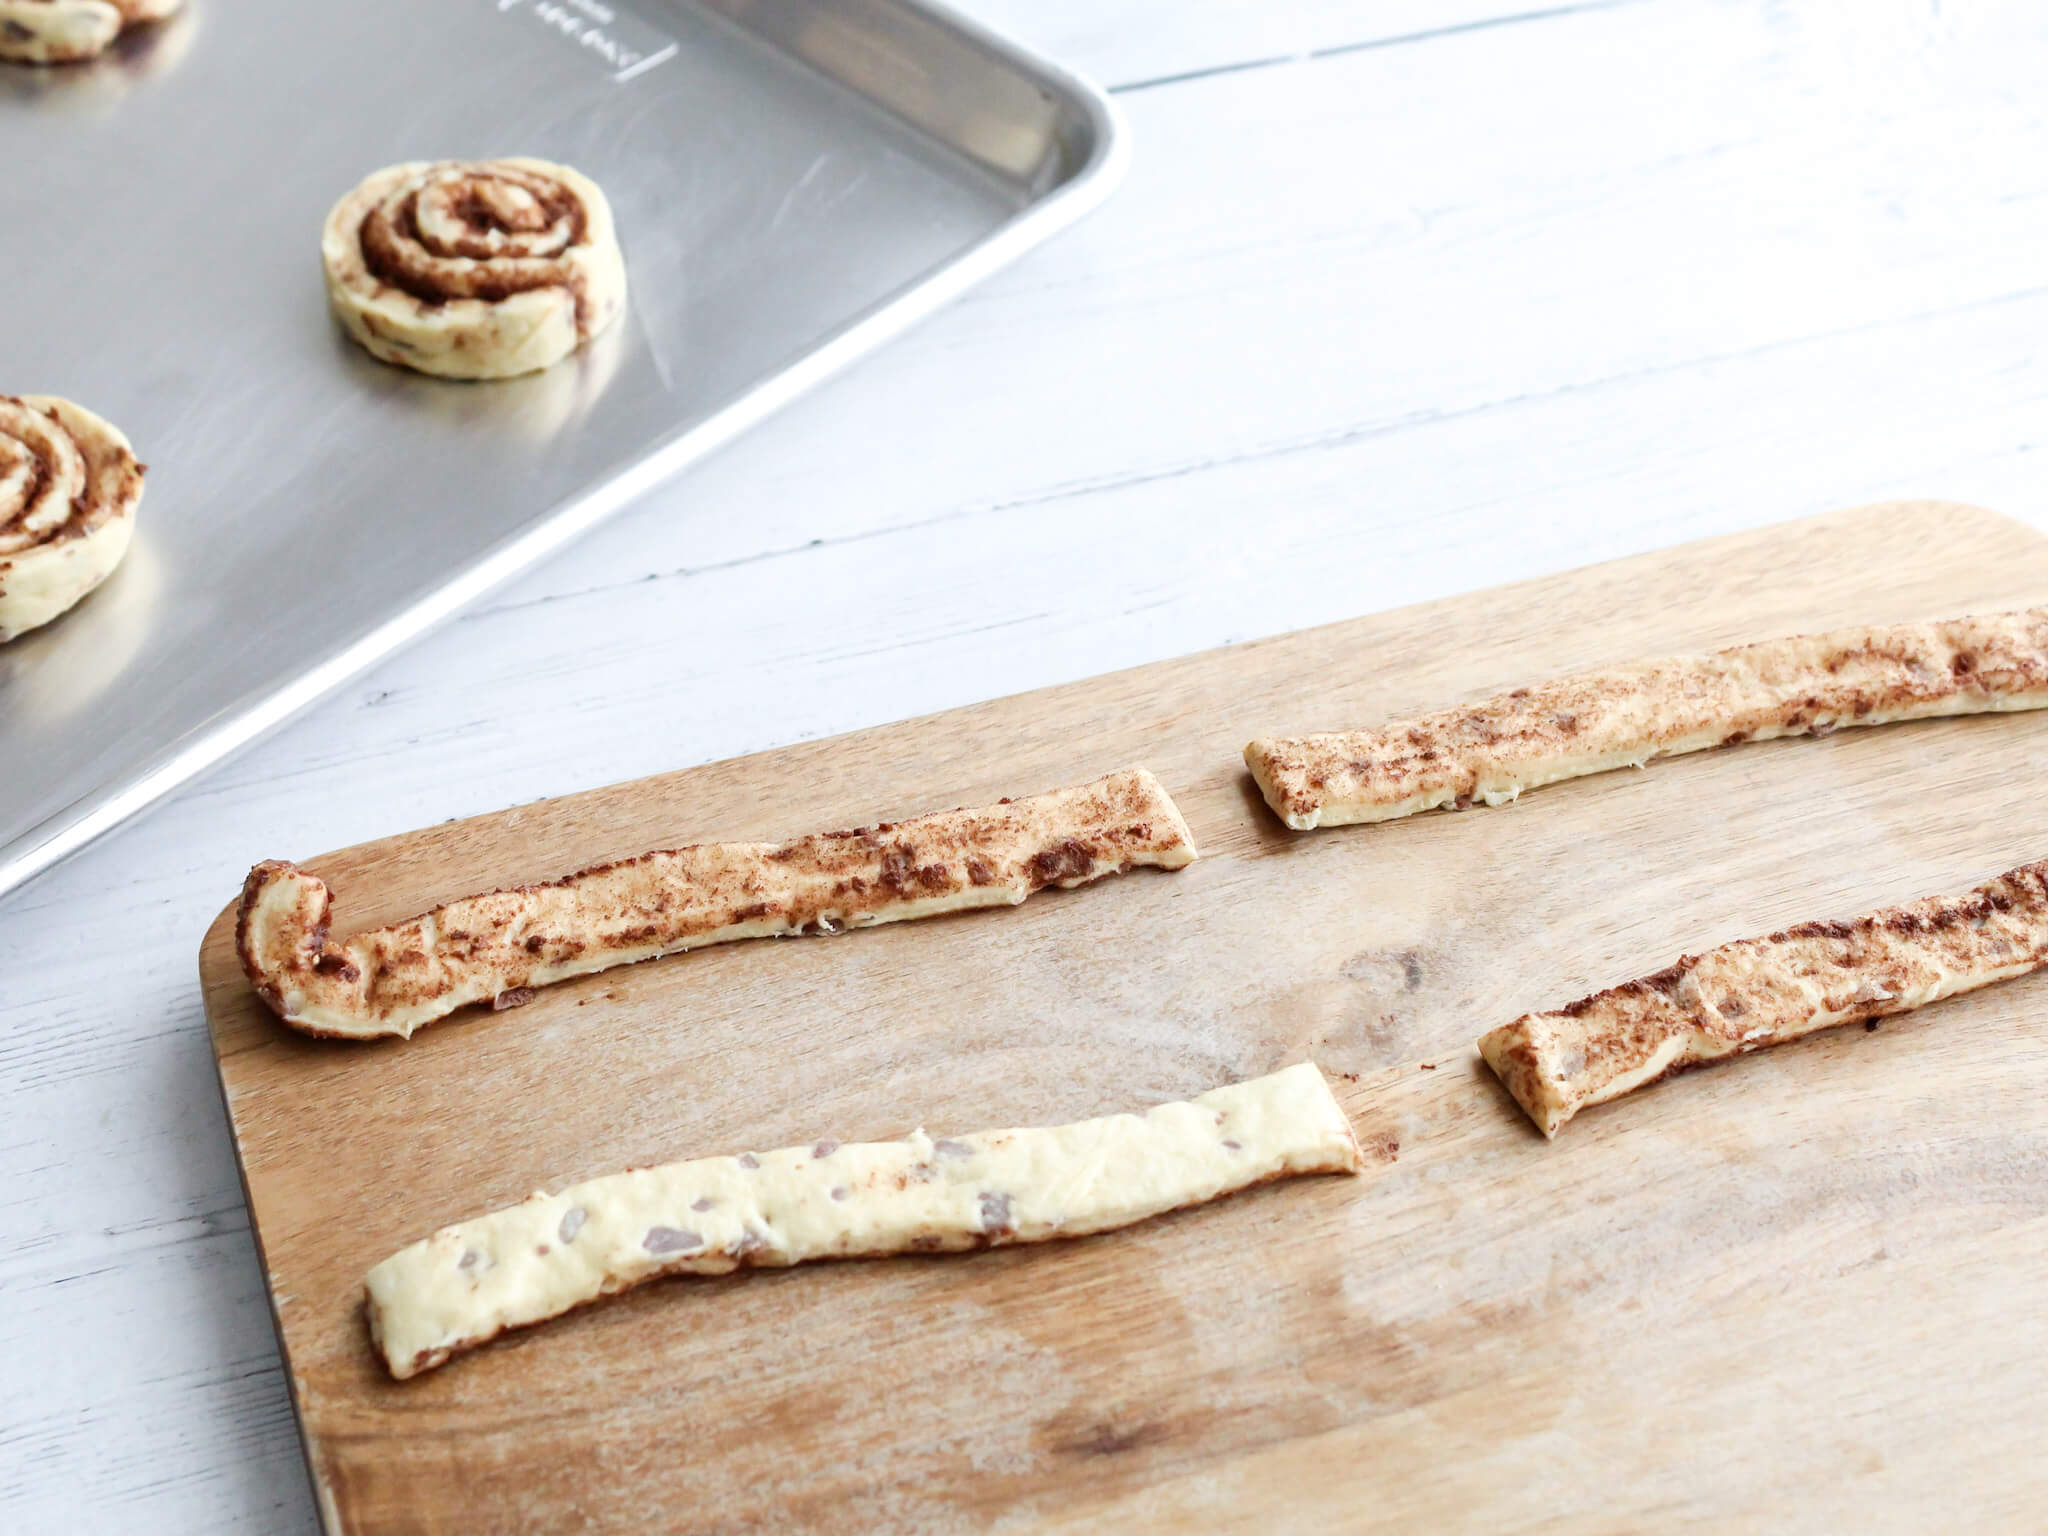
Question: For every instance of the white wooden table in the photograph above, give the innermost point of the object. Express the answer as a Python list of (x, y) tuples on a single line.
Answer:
[(1403, 297)]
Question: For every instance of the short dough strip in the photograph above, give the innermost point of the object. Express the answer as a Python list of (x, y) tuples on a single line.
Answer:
[(1622, 717), (493, 947), (470, 1282), (1762, 992)]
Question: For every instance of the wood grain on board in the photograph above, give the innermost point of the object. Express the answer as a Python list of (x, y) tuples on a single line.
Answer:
[(1800, 1285)]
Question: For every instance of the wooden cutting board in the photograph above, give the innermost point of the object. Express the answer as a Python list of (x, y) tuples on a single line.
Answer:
[(1807, 1289)]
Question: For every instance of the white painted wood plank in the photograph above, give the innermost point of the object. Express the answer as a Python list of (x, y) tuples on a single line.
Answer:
[(1350, 246), (156, 1402), (1361, 331)]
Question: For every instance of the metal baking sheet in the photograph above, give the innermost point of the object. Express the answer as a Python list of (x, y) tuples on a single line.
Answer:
[(795, 182)]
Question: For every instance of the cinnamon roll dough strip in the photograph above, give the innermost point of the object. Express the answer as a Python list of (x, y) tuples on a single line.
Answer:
[(493, 947), (1756, 993), (69, 487), (1624, 716), (474, 269), (68, 31), (552, 1253)]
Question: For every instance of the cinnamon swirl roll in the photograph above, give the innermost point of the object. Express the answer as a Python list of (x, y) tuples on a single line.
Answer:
[(474, 269), (63, 31), (69, 485)]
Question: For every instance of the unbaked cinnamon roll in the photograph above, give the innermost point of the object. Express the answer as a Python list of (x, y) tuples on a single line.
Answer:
[(69, 485), (64, 31), (474, 269)]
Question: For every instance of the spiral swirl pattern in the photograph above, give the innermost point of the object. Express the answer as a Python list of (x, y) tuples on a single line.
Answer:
[(69, 486), (65, 31), (474, 269)]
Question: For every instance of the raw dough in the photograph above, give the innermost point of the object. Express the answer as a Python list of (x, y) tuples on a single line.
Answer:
[(390, 981), (470, 1282), (1762, 992), (69, 487), (66, 31), (1624, 716), (474, 269)]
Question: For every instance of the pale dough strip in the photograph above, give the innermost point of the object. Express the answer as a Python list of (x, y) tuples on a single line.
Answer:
[(1621, 717), (472, 1281), (390, 981), (1761, 992)]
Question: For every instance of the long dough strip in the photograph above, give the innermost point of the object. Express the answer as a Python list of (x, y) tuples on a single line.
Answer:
[(1622, 717), (390, 981), (1761, 992), (470, 1282)]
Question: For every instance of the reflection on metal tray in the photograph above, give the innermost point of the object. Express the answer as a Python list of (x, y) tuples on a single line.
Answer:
[(795, 182)]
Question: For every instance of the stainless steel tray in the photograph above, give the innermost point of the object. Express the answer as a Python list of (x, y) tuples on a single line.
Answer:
[(795, 182)]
